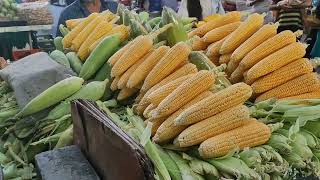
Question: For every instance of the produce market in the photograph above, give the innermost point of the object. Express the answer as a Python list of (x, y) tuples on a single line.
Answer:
[(138, 93)]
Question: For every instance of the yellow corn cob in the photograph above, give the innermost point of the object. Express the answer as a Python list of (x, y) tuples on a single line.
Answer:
[(250, 135), (198, 44), (310, 95), (144, 69), (139, 98), (116, 56), (213, 49), (263, 34), (168, 130), (82, 36), (123, 30), (126, 92), (219, 33), (184, 70), (265, 49), (276, 60), (161, 93), (148, 110), (137, 50), (240, 35), (215, 60), (224, 59), (200, 23), (72, 23), (211, 17), (215, 125), (114, 84), (231, 96), (108, 15), (98, 32), (300, 85), (228, 18), (67, 40), (125, 76), (175, 56), (236, 76), (189, 89), (156, 123), (282, 75)]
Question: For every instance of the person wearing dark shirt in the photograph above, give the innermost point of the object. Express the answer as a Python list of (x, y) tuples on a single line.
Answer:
[(83, 8)]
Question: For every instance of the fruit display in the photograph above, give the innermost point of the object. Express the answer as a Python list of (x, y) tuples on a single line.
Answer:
[(229, 99), (8, 9)]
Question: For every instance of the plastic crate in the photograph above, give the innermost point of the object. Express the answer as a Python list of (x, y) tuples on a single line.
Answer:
[(23, 53)]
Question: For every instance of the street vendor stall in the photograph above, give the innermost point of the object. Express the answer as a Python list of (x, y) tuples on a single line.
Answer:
[(163, 98), (30, 19)]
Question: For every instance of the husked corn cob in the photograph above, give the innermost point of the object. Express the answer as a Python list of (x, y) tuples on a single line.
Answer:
[(162, 92), (236, 76), (148, 110), (189, 89), (276, 60), (67, 40), (282, 75), (138, 49), (224, 59), (156, 123), (224, 99), (102, 28), (267, 31), (212, 126), (198, 44), (114, 84), (168, 130), (126, 92), (174, 57), (139, 98), (123, 30), (144, 69), (266, 48), (125, 76), (82, 36), (219, 33), (242, 33), (116, 56), (228, 18), (213, 49), (215, 60), (250, 135), (310, 95), (72, 23), (184, 70), (300, 85), (211, 17)]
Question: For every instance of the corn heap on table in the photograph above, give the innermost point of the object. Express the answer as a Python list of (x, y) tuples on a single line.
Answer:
[(179, 102)]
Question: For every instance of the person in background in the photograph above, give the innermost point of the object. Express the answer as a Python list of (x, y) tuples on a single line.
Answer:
[(173, 4), (290, 18), (315, 52), (83, 8), (156, 5), (200, 8)]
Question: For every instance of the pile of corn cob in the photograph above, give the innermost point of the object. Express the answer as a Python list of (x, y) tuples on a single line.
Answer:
[(272, 63), (86, 33)]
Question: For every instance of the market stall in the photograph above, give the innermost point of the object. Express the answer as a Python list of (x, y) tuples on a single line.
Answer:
[(166, 98), (20, 25)]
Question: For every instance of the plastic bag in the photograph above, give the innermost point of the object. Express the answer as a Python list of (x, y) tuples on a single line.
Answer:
[(33, 74), (35, 13)]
